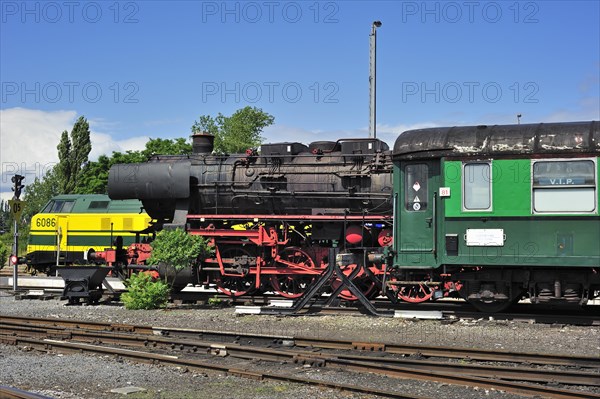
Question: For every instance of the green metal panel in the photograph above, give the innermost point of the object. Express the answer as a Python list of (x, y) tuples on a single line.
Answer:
[(511, 189), (94, 241), (534, 241), (81, 240), (415, 213), (35, 239), (125, 206), (531, 239)]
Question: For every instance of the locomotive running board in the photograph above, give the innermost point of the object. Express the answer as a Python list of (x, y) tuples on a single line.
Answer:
[(314, 292)]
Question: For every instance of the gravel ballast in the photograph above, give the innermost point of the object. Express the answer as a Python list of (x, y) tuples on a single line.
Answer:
[(86, 376)]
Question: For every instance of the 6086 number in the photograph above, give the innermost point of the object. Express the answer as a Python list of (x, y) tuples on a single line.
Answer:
[(45, 222)]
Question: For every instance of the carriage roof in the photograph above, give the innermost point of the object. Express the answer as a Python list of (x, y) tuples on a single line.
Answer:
[(525, 139)]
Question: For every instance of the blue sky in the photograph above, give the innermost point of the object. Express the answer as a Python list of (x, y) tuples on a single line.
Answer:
[(140, 69)]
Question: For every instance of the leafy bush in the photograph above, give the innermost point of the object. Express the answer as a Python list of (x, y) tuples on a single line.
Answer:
[(215, 301), (144, 293), (177, 248)]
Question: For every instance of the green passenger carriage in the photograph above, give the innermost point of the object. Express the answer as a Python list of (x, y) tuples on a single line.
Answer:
[(498, 212)]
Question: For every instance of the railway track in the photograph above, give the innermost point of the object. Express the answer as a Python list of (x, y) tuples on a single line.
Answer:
[(182, 347), (7, 271), (461, 310), (445, 310)]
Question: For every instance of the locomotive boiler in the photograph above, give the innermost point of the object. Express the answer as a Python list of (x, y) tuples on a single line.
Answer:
[(347, 176)]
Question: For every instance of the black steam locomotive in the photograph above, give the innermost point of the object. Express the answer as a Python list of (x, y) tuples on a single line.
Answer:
[(273, 216)]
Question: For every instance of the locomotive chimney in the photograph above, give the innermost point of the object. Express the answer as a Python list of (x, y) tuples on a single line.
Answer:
[(202, 143)]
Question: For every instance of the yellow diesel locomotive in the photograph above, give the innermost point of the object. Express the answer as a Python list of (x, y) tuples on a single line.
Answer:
[(70, 225)]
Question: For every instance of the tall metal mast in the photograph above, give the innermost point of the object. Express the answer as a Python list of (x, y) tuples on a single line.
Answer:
[(373, 78)]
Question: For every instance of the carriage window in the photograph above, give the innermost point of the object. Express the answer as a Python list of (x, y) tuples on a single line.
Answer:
[(477, 187), (415, 197), (564, 186)]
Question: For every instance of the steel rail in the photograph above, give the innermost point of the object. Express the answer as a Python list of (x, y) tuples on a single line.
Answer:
[(400, 349), (455, 315), (153, 358), (453, 352), (143, 356), (490, 371), (15, 393), (403, 368), (75, 324)]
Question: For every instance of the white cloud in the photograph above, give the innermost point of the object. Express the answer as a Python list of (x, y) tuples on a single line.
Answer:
[(31, 136), (28, 140), (389, 133), (103, 143), (588, 109)]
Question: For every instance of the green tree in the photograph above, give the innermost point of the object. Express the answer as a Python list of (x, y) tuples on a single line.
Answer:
[(178, 146), (73, 155), (63, 168), (4, 253), (4, 217), (94, 176), (235, 133), (39, 192), (81, 148), (5, 237)]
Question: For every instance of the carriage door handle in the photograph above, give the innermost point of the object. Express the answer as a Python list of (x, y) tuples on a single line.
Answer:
[(429, 221)]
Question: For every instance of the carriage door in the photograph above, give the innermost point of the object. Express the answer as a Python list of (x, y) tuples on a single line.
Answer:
[(416, 206)]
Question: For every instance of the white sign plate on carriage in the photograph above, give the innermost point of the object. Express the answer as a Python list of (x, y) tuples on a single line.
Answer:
[(485, 237)]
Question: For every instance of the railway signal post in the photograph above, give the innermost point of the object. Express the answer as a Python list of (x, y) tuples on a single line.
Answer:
[(16, 207)]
